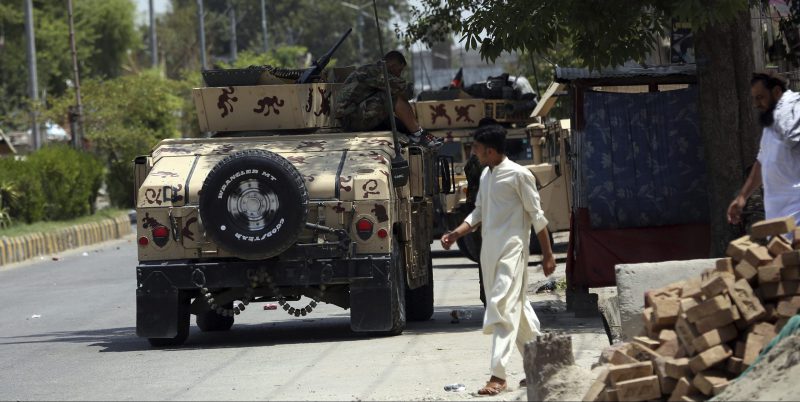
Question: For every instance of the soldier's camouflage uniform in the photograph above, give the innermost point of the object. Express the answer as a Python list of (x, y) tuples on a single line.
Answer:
[(361, 103)]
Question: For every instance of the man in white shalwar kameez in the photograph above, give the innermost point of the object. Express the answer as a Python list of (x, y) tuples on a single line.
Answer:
[(506, 207), (777, 167)]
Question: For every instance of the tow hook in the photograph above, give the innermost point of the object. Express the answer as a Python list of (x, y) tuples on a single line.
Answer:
[(344, 239)]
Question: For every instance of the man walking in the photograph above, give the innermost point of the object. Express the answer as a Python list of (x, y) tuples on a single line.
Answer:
[(361, 103), (777, 167), (506, 207)]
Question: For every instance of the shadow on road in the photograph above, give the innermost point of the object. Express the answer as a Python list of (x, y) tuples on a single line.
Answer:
[(310, 330), (452, 253)]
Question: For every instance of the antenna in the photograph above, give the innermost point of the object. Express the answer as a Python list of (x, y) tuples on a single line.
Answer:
[(400, 170)]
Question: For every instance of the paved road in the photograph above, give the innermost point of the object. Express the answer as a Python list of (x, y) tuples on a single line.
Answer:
[(67, 332)]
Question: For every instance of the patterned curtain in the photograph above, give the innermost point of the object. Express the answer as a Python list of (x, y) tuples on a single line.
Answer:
[(642, 160)]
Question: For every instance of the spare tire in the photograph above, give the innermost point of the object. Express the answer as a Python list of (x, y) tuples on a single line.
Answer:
[(254, 204)]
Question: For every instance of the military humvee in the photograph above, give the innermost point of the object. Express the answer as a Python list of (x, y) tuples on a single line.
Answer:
[(543, 149), (281, 205)]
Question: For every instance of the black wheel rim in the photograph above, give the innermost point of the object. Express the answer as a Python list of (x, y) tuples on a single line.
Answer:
[(252, 206)]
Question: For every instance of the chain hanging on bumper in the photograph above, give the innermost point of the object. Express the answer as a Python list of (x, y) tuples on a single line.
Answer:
[(256, 279)]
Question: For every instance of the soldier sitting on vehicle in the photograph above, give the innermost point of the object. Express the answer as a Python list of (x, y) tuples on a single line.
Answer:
[(361, 103)]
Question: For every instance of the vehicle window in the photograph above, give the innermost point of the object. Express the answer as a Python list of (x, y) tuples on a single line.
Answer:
[(518, 149), (452, 149)]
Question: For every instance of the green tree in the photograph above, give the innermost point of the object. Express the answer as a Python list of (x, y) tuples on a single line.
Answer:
[(314, 25), (104, 33), (605, 33), (125, 117)]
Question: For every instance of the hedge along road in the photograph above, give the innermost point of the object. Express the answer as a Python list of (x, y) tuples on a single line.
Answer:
[(69, 333)]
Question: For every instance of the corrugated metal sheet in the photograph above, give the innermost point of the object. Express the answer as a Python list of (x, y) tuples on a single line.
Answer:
[(633, 73)]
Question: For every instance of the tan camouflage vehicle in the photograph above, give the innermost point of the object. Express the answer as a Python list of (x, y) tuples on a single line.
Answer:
[(281, 206), (543, 149)]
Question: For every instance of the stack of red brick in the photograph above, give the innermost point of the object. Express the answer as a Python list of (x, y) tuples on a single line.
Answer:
[(703, 332)]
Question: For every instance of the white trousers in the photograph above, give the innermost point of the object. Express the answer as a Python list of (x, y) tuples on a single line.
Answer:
[(509, 316)]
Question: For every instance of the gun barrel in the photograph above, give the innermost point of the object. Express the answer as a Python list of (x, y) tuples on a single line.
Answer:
[(320, 63), (339, 43)]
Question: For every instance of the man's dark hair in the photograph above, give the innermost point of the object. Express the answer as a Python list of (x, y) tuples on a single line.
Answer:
[(486, 121), (395, 56), (492, 136), (769, 80)]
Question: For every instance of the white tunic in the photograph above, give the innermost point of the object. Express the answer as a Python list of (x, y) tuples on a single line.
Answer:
[(780, 174), (507, 206)]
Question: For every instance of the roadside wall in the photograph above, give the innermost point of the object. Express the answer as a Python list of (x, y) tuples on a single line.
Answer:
[(20, 248), (633, 280)]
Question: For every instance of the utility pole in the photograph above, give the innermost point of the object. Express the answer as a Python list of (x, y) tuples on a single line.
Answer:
[(76, 114), (232, 12), (153, 41), (201, 31), (33, 84), (360, 25), (361, 37), (264, 25)]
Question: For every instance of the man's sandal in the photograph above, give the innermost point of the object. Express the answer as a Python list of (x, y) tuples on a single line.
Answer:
[(492, 388)]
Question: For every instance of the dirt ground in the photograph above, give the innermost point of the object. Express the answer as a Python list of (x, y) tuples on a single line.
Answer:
[(775, 378)]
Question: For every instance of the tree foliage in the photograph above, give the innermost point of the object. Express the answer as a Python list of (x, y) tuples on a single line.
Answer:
[(601, 33), (311, 24), (125, 117), (104, 33)]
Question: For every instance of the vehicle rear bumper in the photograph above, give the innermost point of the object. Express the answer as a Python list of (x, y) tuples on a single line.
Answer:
[(186, 275)]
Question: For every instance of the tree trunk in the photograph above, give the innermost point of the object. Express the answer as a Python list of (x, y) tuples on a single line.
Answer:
[(727, 118)]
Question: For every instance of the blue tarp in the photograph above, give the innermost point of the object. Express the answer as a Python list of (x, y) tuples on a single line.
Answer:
[(642, 159)]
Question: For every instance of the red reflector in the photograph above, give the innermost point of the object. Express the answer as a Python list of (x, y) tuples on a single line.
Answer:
[(144, 241), (382, 233), (160, 231), (364, 225)]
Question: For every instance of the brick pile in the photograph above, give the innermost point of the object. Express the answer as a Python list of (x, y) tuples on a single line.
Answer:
[(701, 333)]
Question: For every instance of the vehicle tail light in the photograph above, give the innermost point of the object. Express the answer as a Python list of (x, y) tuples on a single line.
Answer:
[(144, 241), (160, 235), (160, 231), (364, 228), (383, 233)]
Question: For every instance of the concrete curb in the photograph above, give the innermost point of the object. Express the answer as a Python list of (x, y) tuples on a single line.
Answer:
[(20, 248)]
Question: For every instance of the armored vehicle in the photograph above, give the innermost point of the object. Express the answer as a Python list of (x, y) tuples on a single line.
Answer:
[(280, 205), (453, 114)]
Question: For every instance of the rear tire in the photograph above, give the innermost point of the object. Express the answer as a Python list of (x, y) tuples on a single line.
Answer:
[(534, 246), (471, 246), (210, 321), (462, 246)]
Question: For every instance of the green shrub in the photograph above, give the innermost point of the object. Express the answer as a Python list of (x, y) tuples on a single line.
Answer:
[(8, 196), (29, 206), (70, 180)]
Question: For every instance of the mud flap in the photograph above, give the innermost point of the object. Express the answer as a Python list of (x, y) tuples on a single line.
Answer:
[(371, 301), (158, 307)]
